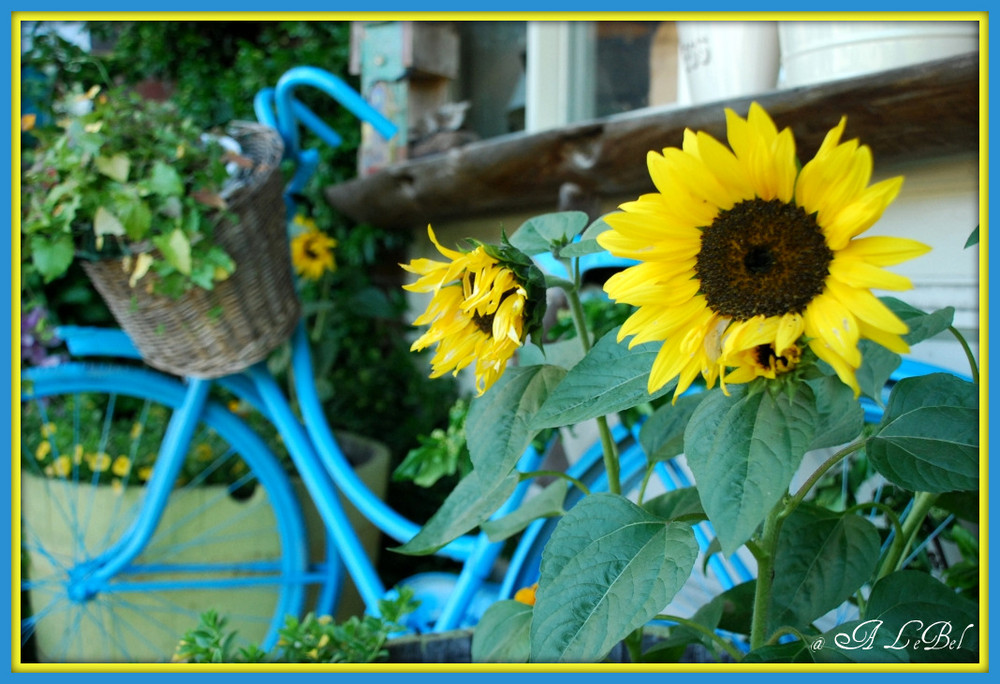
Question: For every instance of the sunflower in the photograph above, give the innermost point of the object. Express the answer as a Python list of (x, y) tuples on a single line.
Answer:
[(312, 250), (746, 261), (477, 311)]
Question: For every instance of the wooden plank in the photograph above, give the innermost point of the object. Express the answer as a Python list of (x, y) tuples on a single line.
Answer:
[(920, 112)]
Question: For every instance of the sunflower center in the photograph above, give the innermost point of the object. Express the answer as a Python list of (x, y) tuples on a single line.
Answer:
[(762, 258), (484, 322)]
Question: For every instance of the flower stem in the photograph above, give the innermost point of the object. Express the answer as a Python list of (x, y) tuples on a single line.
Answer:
[(556, 473), (609, 449), (768, 544), (922, 503), (820, 472), (968, 353)]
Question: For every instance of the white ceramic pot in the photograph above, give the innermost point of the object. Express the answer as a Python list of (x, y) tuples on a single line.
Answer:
[(724, 59), (818, 51)]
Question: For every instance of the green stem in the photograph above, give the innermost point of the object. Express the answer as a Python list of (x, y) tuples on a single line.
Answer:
[(556, 473), (767, 548), (973, 366), (702, 629), (922, 503), (820, 472), (609, 449)]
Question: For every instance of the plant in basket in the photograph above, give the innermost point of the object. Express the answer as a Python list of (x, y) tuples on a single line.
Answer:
[(126, 177), (182, 232)]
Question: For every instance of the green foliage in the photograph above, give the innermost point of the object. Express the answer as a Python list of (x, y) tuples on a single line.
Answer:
[(442, 453), (310, 640), (612, 564), (104, 187)]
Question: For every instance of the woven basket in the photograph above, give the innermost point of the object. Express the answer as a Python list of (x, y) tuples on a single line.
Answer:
[(213, 333)]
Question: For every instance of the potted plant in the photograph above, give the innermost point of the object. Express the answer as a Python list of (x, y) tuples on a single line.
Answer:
[(183, 233)]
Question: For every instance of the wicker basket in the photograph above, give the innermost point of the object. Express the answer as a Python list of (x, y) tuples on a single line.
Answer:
[(213, 333)]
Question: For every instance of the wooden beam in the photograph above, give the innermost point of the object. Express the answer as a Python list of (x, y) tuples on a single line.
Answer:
[(920, 112)]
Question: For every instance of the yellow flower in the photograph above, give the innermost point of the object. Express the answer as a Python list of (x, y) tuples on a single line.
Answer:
[(43, 450), (203, 452), (743, 257), (121, 466), (99, 462), (145, 472), (48, 429), (312, 251), (526, 595), (476, 313), (136, 431), (62, 467)]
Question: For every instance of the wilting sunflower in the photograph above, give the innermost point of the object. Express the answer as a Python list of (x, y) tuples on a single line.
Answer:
[(312, 250), (746, 260), (479, 311)]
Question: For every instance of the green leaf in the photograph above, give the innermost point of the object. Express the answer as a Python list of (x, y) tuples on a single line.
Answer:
[(51, 256), (840, 416), (608, 569), (135, 215), (502, 634), (922, 325), (924, 618), (745, 448), (176, 250), (821, 560), (877, 364), (165, 181), (579, 249), (677, 503), (973, 238), (106, 223), (565, 354), (498, 426), (541, 233), (928, 439), (115, 168), (468, 505), (662, 435), (610, 378), (545, 504)]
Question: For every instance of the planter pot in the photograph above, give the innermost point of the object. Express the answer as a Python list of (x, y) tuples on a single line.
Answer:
[(818, 51), (47, 504), (725, 59)]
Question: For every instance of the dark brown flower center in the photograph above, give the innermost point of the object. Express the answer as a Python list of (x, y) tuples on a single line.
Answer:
[(484, 322), (762, 258)]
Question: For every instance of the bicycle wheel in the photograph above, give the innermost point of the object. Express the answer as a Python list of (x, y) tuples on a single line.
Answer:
[(230, 539)]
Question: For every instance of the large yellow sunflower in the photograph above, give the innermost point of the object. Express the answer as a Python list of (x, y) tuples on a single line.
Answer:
[(476, 313), (312, 250), (747, 260)]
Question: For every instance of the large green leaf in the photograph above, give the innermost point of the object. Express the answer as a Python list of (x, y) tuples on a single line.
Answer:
[(165, 181), (610, 378), (840, 415), (743, 450), (502, 634), (608, 569), (662, 435), (116, 167), (468, 505), (541, 233), (924, 618), (498, 428), (821, 560), (545, 504), (922, 325), (877, 364), (928, 439), (678, 503)]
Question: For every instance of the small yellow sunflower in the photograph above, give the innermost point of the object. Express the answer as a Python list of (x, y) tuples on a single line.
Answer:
[(745, 260), (312, 250), (476, 314)]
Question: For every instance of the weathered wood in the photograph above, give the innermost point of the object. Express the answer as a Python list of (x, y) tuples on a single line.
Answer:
[(920, 112)]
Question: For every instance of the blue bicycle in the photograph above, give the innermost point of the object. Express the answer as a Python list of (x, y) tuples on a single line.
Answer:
[(160, 500)]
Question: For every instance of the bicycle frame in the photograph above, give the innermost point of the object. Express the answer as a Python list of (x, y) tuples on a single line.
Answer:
[(320, 462)]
